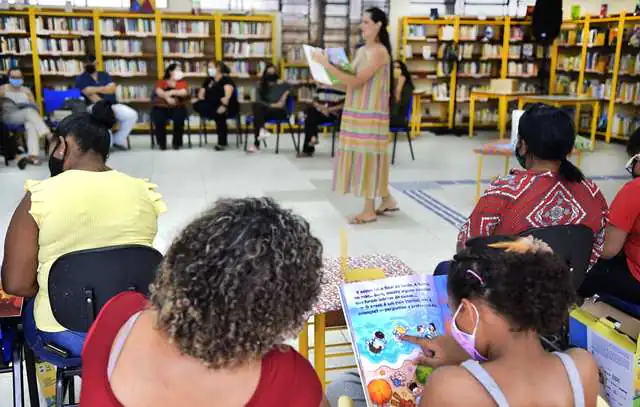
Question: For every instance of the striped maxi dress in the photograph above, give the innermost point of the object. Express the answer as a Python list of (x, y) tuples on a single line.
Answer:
[(361, 166)]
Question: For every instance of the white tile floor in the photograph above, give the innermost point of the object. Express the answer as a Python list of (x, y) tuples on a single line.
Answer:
[(192, 179)]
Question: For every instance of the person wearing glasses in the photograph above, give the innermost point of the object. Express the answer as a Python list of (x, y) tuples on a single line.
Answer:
[(617, 274)]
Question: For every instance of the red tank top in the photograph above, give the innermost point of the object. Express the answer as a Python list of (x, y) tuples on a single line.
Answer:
[(287, 378)]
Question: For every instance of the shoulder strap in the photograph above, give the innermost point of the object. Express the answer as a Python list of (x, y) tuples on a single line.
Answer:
[(574, 378), (486, 381)]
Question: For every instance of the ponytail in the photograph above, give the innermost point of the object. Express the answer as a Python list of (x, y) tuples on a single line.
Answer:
[(378, 16), (570, 172)]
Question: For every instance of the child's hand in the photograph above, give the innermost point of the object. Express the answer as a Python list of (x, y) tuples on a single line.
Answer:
[(439, 351)]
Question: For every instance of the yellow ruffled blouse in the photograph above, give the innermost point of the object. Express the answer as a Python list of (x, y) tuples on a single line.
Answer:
[(79, 210)]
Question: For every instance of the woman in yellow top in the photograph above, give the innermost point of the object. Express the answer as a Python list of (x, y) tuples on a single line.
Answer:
[(84, 205)]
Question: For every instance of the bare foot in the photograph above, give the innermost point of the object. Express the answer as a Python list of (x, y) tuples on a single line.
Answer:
[(362, 218), (389, 204)]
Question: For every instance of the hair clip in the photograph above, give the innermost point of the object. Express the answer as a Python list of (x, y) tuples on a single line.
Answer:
[(523, 245), (476, 275)]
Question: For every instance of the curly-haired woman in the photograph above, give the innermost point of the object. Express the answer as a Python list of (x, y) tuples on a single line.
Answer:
[(235, 284), (503, 297)]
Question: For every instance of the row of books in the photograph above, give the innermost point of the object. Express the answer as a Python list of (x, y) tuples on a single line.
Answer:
[(295, 54), (188, 47), (523, 51), (15, 46), (440, 91), (477, 69), (128, 26), (522, 69), (419, 31), (247, 68), (10, 24), (486, 116), (61, 66), (245, 49), (133, 92), (630, 64), (8, 62), (599, 62), (192, 68), (481, 51), (566, 85), (122, 46), (126, 67), (186, 28), (297, 75), (568, 63), (570, 37), (463, 91), (246, 29), (624, 124), (64, 25), (598, 89), (629, 93), (54, 46)]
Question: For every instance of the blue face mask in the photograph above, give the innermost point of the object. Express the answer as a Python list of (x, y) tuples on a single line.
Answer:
[(15, 82)]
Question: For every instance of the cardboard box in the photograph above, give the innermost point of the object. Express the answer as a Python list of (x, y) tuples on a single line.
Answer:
[(504, 85), (611, 336)]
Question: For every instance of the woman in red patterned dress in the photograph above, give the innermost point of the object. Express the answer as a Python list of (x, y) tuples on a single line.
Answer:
[(549, 191)]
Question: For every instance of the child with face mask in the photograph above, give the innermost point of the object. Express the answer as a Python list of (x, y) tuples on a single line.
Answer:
[(503, 296), (617, 274), (169, 100), (20, 109)]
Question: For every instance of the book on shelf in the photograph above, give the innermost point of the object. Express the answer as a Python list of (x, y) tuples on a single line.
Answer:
[(184, 48), (295, 54), (378, 314), (246, 29), (337, 57), (185, 28), (10, 306), (15, 46), (297, 75), (64, 25), (127, 26), (13, 25), (192, 69), (133, 93), (121, 46), (61, 66), (245, 49), (247, 68), (54, 46), (447, 33), (126, 67)]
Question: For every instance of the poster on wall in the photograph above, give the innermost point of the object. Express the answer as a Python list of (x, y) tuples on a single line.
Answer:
[(143, 6)]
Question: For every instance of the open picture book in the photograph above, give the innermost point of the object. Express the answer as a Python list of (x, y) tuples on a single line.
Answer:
[(337, 57), (10, 306), (378, 314)]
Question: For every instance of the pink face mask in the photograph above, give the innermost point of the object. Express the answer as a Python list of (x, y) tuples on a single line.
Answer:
[(465, 340)]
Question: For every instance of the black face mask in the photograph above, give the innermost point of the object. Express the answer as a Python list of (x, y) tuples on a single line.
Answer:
[(56, 165), (522, 160), (90, 69)]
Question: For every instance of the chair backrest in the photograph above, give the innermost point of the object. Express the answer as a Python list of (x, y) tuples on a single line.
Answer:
[(573, 243), (81, 282), (54, 99)]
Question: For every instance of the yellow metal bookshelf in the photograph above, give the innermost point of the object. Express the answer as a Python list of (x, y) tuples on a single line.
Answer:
[(133, 43)]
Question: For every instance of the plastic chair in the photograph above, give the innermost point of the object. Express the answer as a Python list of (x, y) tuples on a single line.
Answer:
[(237, 118), (81, 282), (403, 129), (333, 125), (624, 306)]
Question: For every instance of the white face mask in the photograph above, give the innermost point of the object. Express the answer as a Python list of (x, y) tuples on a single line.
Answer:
[(178, 75), (212, 71)]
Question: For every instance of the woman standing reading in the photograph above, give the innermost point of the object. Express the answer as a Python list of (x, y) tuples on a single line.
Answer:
[(362, 162)]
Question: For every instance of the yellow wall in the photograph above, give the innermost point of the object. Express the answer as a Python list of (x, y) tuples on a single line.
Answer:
[(592, 7)]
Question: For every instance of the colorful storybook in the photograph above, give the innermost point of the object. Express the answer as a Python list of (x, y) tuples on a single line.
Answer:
[(378, 314), (337, 57)]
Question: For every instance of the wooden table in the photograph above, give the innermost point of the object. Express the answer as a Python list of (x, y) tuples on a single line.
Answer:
[(503, 103), (567, 100), (324, 311)]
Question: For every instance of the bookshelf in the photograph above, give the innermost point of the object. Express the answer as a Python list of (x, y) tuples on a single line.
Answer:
[(50, 44)]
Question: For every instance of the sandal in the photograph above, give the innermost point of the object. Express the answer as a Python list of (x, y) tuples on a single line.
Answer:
[(360, 220), (384, 211)]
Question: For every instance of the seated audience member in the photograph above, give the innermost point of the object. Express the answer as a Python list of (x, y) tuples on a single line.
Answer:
[(550, 191), (401, 94), (618, 272), (84, 205), (503, 296), (98, 85), (24, 112), (235, 284), (170, 98), (271, 103), (326, 107), (218, 101)]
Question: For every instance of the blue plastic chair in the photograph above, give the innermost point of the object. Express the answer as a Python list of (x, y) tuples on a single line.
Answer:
[(624, 306), (403, 129), (278, 123), (333, 125), (54, 99)]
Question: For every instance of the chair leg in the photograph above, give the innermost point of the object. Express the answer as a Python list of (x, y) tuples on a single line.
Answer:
[(296, 145), (32, 380), (413, 157), (393, 154), (278, 139), (152, 134), (189, 131), (18, 396), (72, 389), (203, 129), (60, 387)]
